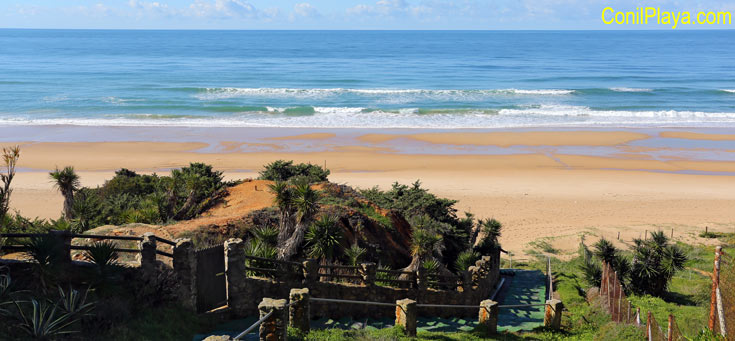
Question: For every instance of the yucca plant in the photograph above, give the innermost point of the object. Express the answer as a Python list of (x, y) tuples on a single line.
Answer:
[(102, 253), (43, 320), (355, 254), (466, 259), (323, 238)]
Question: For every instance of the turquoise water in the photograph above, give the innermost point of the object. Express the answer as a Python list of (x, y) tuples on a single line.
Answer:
[(367, 79)]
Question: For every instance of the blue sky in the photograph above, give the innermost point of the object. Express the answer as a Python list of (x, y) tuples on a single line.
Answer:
[(330, 14)]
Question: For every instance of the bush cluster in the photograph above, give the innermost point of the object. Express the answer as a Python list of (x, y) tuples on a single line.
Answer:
[(286, 170)]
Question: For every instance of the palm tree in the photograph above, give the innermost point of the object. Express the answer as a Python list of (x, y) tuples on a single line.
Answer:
[(67, 182), (305, 204)]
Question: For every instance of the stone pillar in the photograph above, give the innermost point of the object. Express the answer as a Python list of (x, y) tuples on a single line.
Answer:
[(406, 315), (422, 282), (274, 327), (237, 298), (311, 271), (185, 266), (298, 312), (147, 246), (62, 246), (466, 281), (552, 317), (489, 316), (368, 271)]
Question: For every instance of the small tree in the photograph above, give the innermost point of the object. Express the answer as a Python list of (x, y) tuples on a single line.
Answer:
[(10, 158), (67, 182), (655, 262)]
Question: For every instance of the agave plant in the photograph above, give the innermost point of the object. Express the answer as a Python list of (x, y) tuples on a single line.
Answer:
[(43, 320), (103, 254), (73, 302), (5, 291), (267, 234)]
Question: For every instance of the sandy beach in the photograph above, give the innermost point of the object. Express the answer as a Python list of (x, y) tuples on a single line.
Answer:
[(553, 184)]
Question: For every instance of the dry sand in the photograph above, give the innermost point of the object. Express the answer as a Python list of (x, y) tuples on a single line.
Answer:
[(535, 196)]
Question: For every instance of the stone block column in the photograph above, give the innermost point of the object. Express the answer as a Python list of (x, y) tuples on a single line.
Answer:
[(237, 295), (274, 327), (311, 271), (406, 312), (552, 317), (298, 312), (422, 281), (489, 316), (185, 266), (62, 243), (368, 271), (147, 246)]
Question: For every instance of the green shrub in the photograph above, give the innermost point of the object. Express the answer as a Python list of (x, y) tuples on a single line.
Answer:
[(286, 170)]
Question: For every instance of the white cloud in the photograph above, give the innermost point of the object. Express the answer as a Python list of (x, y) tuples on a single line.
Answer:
[(223, 9), (152, 8), (305, 10)]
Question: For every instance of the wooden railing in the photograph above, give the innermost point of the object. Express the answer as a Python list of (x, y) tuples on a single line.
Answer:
[(71, 236), (272, 268)]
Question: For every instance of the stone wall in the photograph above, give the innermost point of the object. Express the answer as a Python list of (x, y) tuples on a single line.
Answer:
[(244, 293)]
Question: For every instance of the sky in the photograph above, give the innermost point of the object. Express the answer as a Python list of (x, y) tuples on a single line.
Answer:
[(333, 14)]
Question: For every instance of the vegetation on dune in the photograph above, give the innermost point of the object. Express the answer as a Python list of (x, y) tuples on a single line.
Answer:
[(281, 170), (133, 198)]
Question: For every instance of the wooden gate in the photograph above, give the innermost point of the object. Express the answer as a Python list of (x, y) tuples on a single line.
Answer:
[(211, 286)]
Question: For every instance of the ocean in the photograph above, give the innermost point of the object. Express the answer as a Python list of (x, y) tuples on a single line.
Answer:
[(367, 79)]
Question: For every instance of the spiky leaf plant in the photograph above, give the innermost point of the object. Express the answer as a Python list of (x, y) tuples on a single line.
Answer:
[(355, 254), (102, 253), (43, 320), (466, 259)]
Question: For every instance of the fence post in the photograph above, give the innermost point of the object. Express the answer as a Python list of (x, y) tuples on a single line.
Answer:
[(489, 316), (237, 294), (185, 266), (406, 315), (274, 327), (298, 312), (552, 317), (147, 256), (670, 329), (715, 284), (62, 241), (311, 271), (367, 271)]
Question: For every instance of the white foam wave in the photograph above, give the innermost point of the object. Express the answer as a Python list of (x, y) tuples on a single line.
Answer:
[(351, 117), (624, 89), (538, 92), (224, 93), (732, 91)]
